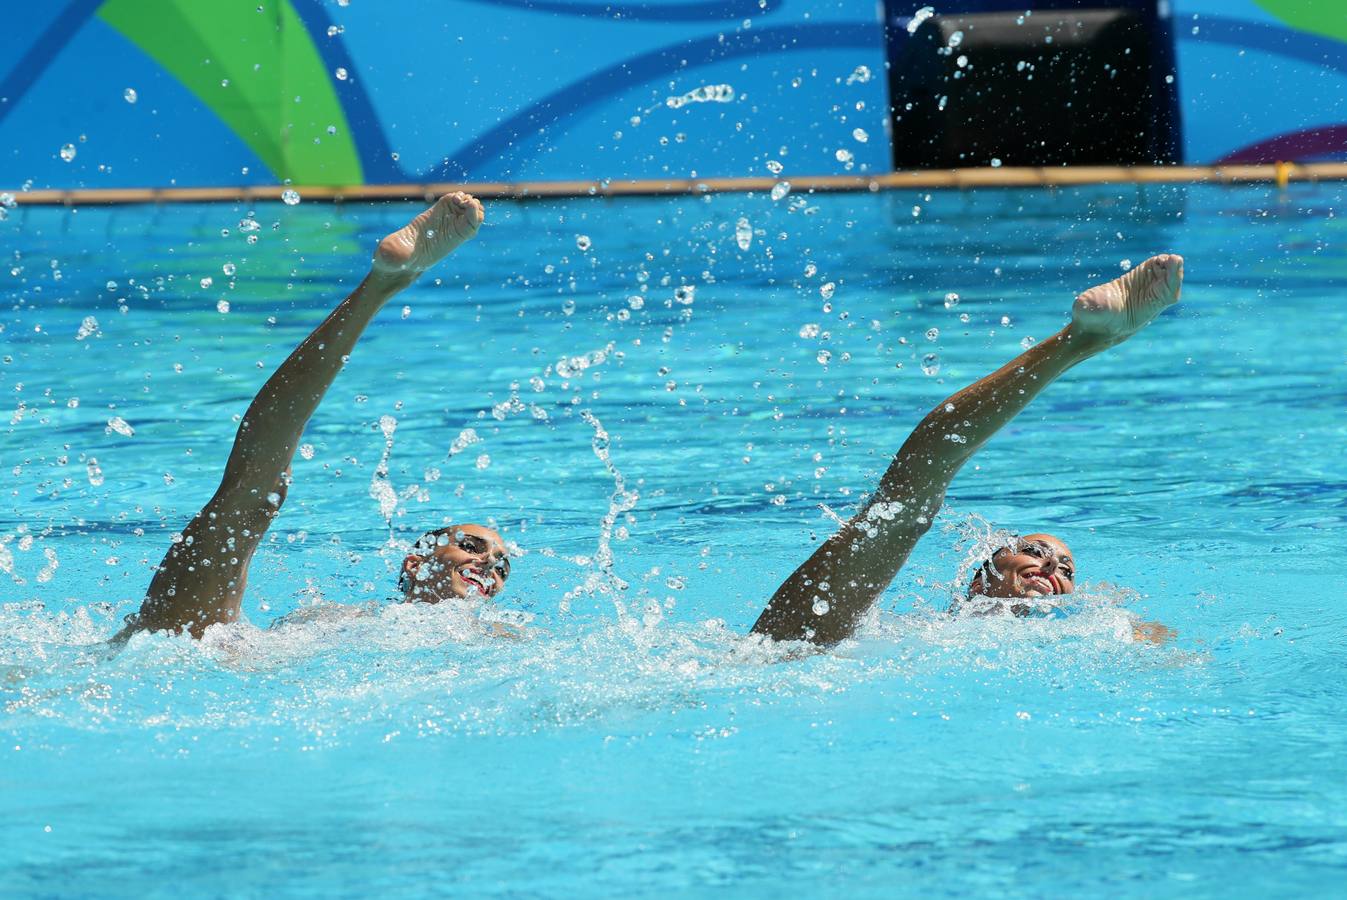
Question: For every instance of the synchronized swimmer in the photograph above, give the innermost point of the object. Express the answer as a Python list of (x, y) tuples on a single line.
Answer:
[(203, 576)]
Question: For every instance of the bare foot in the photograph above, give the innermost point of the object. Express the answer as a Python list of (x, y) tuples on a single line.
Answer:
[(431, 236), (1115, 311)]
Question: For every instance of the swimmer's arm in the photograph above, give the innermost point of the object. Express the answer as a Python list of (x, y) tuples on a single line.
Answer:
[(862, 558), (202, 577)]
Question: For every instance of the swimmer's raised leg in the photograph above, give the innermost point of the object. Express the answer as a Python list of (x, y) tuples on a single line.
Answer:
[(201, 579), (858, 562)]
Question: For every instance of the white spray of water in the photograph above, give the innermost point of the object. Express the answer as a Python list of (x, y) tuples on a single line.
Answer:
[(380, 488), (707, 93), (49, 570), (602, 579)]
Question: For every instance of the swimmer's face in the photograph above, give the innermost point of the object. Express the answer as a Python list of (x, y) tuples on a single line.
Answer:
[(465, 561), (1036, 565)]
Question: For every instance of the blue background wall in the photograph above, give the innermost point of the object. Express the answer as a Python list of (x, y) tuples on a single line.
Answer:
[(443, 90)]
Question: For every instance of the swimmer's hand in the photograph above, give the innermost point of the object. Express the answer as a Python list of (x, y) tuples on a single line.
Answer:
[(1152, 633), (431, 236), (1111, 313)]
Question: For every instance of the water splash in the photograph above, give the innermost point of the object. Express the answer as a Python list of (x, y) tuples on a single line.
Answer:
[(859, 75), (380, 487), (708, 93), (743, 233), (602, 579)]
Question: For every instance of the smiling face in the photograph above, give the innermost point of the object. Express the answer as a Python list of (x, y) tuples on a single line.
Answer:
[(458, 562), (1036, 565)]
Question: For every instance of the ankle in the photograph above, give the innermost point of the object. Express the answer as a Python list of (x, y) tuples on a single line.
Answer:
[(389, 281), (1082, 344)]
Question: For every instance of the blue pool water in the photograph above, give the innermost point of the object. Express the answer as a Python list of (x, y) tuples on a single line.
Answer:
[(633, 743)]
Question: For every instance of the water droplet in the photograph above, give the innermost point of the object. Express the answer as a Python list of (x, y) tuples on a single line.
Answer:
[(962, 61), (685, 294), (121, 426), (743, 233), (88, 328), (674, 583), (636, 301), (820, 606), (1125, 264), (1005, 321), (207, 282), (860, 135), (95, 472), (290, 196), (823, 357), (809, 330), (229, 268), (826, 290), (932, 334), (780, 189), (810, 270), (709, 93), (859, 75), (996, 163), (951, 300), (483, 461), (249, 224), (341, 74), (222, 306), (130, 95), (918, 17), (306, 451), (583, 242), (774, 167), (1169, 79), (1028, 342), (68, 152), (843, 155), (567, 307), (406, 311), (930, 364)]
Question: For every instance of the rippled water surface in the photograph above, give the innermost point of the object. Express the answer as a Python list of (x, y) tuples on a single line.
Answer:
[(661, 464)]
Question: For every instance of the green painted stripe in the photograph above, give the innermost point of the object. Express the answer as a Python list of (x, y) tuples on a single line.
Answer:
[(1322, 17), (259, 72)]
